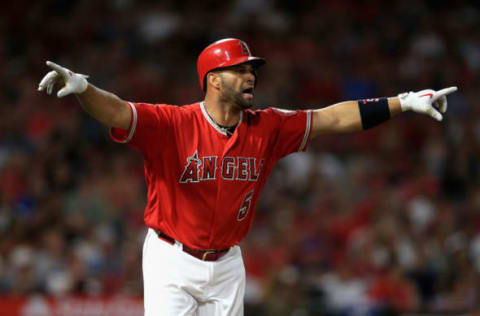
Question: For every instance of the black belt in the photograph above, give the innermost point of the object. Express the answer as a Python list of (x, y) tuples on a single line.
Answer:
[(204, 255)]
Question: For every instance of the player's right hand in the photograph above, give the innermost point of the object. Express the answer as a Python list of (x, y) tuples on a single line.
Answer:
[(73, 82)]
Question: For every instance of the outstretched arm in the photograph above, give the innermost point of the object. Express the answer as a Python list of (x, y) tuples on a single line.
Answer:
[(104, 106), (358, 115)]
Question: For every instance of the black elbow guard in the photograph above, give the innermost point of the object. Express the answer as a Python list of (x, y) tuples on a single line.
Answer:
[(373, 112)]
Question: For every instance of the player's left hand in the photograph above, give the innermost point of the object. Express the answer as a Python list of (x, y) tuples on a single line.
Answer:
[(427, 101), (73, 82)]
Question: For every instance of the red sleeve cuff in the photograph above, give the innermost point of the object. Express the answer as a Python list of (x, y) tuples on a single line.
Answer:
[(120, 135)]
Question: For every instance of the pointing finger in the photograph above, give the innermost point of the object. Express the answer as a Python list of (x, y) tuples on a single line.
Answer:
[(443, 92), (57, 68)]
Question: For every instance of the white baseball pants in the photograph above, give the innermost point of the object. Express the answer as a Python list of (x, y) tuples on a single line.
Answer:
[(178, 284)]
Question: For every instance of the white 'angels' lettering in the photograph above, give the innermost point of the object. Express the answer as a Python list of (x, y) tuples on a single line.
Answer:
[(231, 168), (228, 168), (191, 171), (209, 168)]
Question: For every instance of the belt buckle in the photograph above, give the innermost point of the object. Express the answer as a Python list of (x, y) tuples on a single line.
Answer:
[(206, 253)]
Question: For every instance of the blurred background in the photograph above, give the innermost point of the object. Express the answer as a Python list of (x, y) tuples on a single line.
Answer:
[(373, 223)]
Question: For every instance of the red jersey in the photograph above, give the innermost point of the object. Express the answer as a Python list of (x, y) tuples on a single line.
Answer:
[(203, 185)]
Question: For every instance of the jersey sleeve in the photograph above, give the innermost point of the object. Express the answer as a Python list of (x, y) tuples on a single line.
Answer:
[(150, 126), (293, 131)]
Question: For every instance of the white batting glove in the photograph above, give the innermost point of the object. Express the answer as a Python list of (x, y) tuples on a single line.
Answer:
[(428, 101), (74, 83)]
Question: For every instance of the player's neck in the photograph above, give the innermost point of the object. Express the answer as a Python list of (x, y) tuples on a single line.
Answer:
[(221, 113)]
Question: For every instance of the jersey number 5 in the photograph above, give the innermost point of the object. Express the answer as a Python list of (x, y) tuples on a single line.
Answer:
[(245, 207)]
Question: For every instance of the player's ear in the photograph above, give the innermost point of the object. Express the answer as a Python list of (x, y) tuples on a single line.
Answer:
[(214, 80)]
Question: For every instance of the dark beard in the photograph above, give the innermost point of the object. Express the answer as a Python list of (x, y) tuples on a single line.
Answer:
[(229, 95)]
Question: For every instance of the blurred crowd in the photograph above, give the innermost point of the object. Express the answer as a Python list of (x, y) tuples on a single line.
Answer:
[(370, 223)]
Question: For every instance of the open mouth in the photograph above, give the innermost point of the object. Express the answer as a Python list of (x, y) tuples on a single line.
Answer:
[(248, 93)]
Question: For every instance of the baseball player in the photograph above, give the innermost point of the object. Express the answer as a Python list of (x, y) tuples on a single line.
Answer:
[(206, 164)]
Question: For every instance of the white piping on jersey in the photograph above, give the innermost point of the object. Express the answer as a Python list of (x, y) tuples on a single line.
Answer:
[(134, 124), (212, 122), (307, 130)]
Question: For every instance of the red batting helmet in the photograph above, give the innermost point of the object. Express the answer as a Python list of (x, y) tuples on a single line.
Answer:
[(224, 53)]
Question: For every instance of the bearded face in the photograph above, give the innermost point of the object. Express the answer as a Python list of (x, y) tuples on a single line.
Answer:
[(237, 85), (231, 94)]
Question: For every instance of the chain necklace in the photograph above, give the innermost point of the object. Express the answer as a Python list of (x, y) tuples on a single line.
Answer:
[(229, 130)]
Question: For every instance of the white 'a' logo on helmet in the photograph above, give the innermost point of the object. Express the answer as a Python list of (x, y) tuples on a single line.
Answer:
[(245, 50)]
